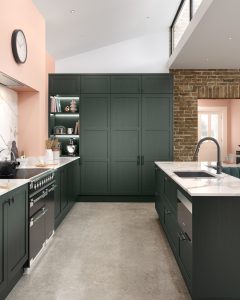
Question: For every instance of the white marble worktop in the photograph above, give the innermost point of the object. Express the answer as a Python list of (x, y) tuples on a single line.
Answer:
[(7, 185), (220, 185)]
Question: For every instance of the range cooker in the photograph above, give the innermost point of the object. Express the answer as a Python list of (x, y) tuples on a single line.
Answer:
[(41, 212), (41, 208)]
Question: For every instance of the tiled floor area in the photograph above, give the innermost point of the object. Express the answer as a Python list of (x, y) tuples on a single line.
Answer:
[(106, 251)]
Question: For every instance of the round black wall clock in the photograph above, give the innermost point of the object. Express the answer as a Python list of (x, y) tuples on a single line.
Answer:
[(19, 46)]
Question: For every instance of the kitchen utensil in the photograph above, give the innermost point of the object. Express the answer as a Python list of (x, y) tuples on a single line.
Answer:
[(70, 130), (71, 148), (60, 130)]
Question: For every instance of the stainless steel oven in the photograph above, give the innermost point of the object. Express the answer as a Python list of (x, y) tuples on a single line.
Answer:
[(184, 214), (41, 213)]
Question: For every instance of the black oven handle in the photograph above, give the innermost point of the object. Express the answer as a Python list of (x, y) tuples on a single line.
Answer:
[(38, 216)]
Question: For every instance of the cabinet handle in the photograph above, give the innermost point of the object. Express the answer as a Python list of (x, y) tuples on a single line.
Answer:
[(138, 160), (142, 160), (167, 212), (8, 201), (182, 236)]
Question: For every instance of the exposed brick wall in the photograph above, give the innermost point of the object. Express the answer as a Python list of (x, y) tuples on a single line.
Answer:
[(189, 86)]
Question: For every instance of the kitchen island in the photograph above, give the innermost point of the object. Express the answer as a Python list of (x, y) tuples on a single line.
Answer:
[(201, 219)]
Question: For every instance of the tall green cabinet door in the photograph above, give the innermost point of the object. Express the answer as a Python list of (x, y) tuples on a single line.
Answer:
[(3, 244), (94, 143), (125, 143), (64, 84), (156, 139), (92, 84), (125, 84), (157, 84)]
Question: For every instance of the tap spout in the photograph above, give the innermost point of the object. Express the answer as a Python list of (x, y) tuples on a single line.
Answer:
[(208, 138)]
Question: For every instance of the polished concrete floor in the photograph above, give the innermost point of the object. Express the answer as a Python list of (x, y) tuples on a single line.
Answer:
[(106, 251)]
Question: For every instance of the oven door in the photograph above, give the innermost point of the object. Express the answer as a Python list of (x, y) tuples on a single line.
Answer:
[(49, 200), (37, 234)]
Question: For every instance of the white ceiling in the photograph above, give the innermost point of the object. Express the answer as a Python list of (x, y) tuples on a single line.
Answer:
[(99, 23), (212, 40)]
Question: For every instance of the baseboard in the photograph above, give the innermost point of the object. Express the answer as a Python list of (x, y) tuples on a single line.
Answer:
[(111, 198)]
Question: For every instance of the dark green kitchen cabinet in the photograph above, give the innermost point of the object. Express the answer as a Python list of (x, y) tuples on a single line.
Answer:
[(99, 84), (156, 136), (64, 84), (126, 84), (125, 144), (157, 84), (94, 143), (126, 125), (13, 237), (67, 179), (3, 245)]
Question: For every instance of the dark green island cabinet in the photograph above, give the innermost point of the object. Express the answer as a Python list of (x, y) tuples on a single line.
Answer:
[(13, 237), (209, 258), (67, 189), (125, 125)]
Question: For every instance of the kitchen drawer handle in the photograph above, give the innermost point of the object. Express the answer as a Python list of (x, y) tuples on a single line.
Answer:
[(182, 236), (52, 188), (8, 201), (167, 212)]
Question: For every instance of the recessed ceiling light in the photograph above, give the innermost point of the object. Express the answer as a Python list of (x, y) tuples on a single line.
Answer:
[(230, 38), (72, 11)]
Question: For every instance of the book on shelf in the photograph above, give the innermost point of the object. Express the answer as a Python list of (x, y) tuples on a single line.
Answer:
[(77, 127), (55, 105)]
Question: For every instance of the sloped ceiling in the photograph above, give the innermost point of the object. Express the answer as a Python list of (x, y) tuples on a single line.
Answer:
[(212, 39), (96, 24)]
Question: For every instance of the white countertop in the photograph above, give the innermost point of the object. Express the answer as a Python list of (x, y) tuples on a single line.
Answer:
[(220, 185), (7, 185)]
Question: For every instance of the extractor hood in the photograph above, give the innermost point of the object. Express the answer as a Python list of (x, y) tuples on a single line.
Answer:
[(14, 84)]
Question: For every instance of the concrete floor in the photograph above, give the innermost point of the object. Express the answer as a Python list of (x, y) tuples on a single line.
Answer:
[(106, 251)]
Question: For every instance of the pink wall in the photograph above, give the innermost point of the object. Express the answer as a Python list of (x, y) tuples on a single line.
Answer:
[(233, 116), (235, 125), (32, 105)]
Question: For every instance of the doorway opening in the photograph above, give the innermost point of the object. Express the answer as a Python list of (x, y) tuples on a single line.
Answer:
[(218, 119)]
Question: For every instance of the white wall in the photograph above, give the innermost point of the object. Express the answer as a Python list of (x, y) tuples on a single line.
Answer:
[(8, 115), (145, 54)]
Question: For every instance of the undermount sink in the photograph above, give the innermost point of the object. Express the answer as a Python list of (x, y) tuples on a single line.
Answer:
[(190, 174)]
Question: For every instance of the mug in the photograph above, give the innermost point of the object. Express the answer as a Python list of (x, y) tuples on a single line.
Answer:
[(70, 130)]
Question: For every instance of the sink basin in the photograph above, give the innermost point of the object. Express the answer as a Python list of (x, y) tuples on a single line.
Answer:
[(190, 174)]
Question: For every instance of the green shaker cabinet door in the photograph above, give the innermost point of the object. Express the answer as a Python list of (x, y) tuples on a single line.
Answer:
[(125, 84), (94, 144), (64, 84), (157, 83), (17, 230), (63, 188), (125, 121), (156, 139), (3, 244), (57, 195), (95, 84)]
